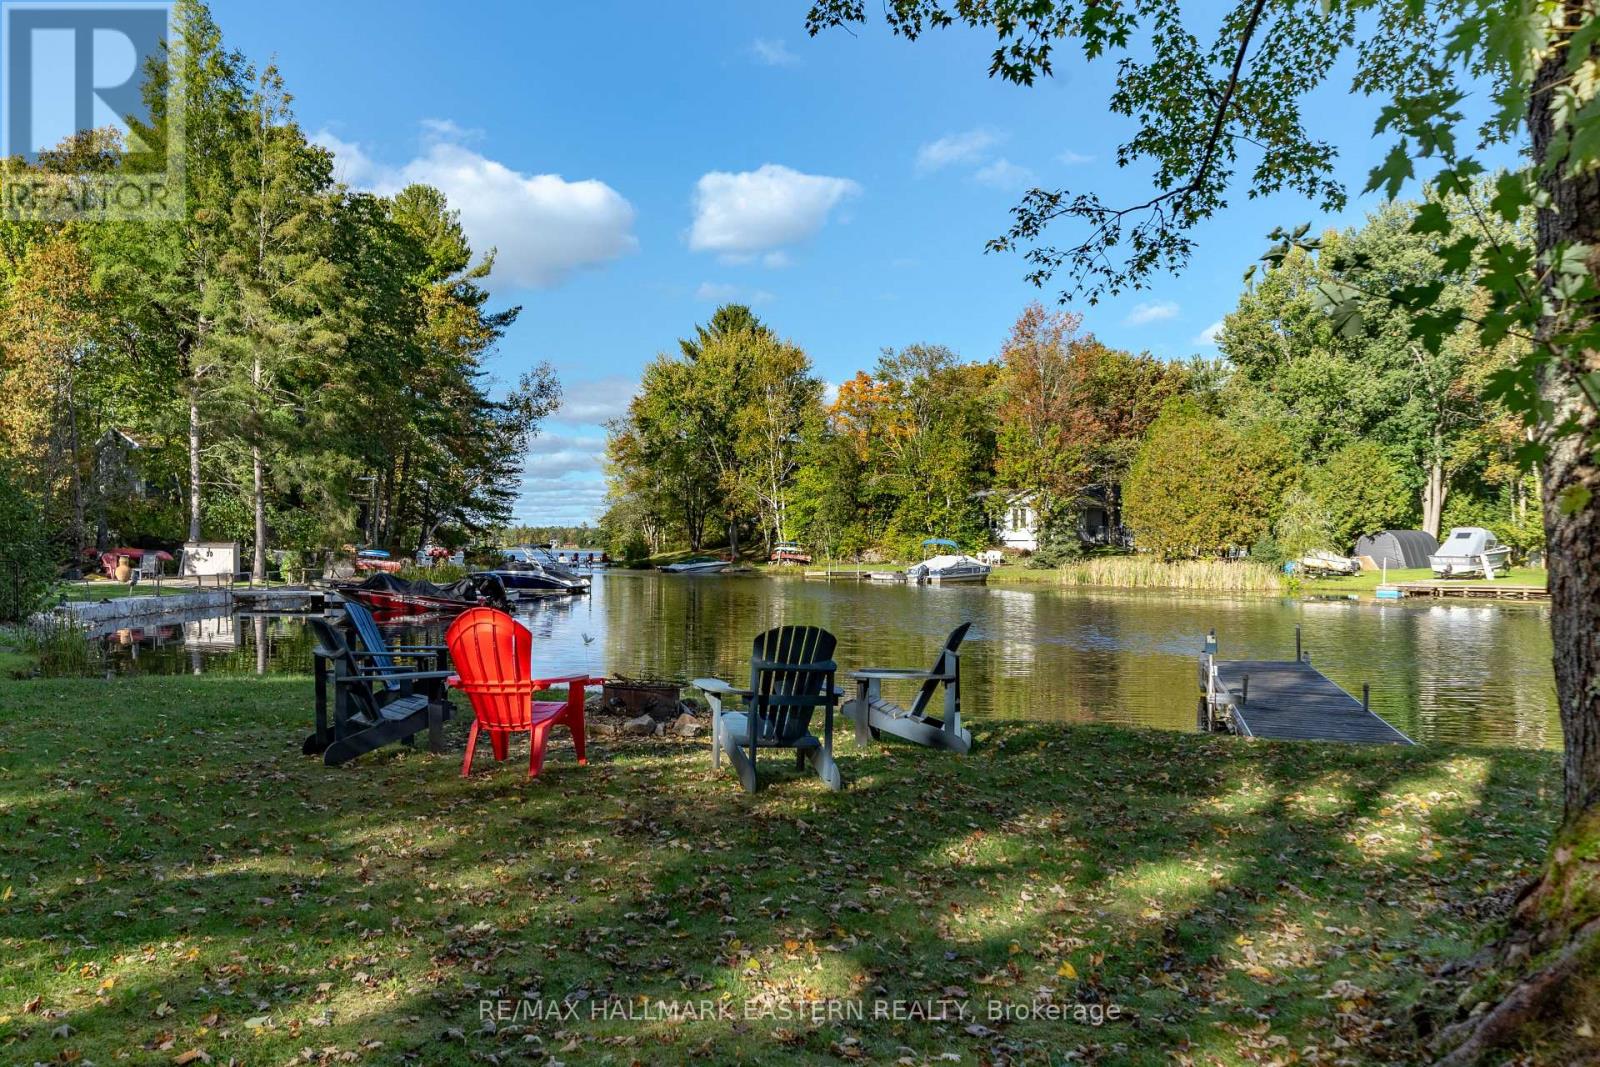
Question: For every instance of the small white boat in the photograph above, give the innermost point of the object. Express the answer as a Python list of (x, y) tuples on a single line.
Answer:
[(697, 565), (1470, 551), (1319, 561)]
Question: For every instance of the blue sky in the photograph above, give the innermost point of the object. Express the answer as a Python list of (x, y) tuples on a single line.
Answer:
[(638, 163)]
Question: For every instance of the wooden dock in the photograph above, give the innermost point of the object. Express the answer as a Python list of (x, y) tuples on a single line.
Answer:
[(1497, 590), (833, 574), (1285, 700)]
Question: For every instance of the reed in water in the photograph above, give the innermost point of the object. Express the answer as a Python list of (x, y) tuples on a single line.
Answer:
[(1146, 572)]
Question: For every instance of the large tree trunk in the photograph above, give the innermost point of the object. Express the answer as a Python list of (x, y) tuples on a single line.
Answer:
[(1572, 217), (1573, 541), (1433, 494), (258, 489), (194, 462), (258, 494)]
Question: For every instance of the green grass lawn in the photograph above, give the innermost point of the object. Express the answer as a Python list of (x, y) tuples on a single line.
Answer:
[(73, 592), (175, 879)]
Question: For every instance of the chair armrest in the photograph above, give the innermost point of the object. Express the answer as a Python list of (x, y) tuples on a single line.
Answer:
[(905, 675), (717, 687), (394, 676), (546, 683), (419, 648)]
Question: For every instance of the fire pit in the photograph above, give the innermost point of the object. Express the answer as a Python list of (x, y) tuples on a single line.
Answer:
[(659, 700)]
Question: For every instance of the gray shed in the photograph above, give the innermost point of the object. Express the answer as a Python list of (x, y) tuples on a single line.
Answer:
[(1398, 548)]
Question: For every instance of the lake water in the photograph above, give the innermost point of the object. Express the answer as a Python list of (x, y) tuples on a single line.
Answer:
[(1440, 671)]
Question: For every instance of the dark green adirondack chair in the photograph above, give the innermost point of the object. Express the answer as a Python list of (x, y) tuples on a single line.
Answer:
[(874, 716), (791, 676), (373, 706)]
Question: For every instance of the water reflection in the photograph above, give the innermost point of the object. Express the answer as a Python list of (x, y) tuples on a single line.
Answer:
[(1457, 672)]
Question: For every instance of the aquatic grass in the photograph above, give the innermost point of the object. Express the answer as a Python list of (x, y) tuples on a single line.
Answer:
[(175, 876), (58, 646), (1147, 572), (438, 574)]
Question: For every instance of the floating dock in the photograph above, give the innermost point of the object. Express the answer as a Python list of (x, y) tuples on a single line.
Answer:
[(1285, 700), (1471, 590)]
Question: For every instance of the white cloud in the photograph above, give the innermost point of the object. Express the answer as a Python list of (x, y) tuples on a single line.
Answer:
[(448, 130), (1003, 174), (554, 454), (1071, 158), (1143, 314), (773, 53), (1209, 335), (725, 292), (741, 215), (830, 393), (543, 226), (968, 147), (595, 401)]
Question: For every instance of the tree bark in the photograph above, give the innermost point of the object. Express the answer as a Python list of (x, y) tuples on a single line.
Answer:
[(194, 462), (258, 565), (1433, 494), (1573, 540), (258, 491)]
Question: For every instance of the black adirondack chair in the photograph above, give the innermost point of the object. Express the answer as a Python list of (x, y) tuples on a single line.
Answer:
[(791, 675), (873, 715), (372, 706)]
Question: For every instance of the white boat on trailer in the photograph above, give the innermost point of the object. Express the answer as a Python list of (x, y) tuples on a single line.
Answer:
[(696, 565), (1469, 551), (948, 568)]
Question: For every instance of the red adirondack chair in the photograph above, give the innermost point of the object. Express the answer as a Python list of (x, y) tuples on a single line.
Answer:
[(493, 658)]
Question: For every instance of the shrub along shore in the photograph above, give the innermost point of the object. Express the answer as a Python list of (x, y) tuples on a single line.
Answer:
[(178, 881)]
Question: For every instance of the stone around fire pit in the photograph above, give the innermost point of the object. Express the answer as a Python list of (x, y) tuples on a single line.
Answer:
[(659, 700)]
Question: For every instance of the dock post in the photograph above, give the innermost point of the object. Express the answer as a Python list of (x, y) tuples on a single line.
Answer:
[(1366, 696), (1244, 691), (1297, 642)]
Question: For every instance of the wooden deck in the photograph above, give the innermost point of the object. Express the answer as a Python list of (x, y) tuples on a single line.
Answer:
[(1497, 590), (1285, 700)]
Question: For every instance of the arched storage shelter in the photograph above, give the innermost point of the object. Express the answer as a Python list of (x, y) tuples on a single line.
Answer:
[(1398, 548)]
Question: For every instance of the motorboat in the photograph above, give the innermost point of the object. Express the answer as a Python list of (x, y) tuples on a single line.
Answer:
[(391, 596), (1320, 561), (1470, 551), (696, 565), (951, 567), (532, 570)]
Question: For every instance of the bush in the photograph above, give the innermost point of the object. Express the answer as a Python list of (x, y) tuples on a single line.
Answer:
[(292, 567), (633, 550), (27, 564)]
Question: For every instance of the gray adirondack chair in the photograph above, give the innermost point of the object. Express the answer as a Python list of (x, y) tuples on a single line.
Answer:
[(372, 706), (791, 675), (873, 715)]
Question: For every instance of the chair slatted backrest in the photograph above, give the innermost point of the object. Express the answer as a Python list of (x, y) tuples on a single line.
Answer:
[(493, 657), (333, 647), (791, 668), (947, 663), (366, 628)]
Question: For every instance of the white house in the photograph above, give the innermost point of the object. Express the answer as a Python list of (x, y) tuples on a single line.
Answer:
[(1019, 524)]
